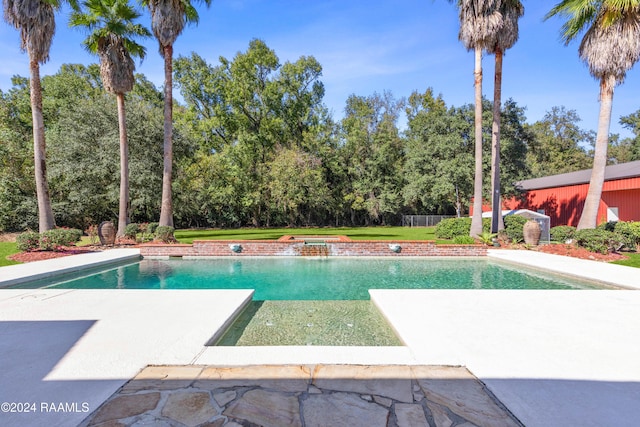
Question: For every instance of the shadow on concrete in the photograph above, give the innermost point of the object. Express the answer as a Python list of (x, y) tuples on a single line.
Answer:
[(29, 352)]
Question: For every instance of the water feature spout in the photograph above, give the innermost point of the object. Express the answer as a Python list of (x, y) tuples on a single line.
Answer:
[(395, 247), (235, 247)]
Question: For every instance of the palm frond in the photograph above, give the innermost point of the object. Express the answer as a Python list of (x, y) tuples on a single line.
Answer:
[(112, 37), (580, 14), (507, 35), (612, 47), (169, 17), (36, 22), (480, 20)]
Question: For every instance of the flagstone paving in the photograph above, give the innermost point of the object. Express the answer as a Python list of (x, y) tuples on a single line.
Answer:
[(303, 396)]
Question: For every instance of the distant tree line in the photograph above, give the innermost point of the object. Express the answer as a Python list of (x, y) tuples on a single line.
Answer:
[(254, 145)]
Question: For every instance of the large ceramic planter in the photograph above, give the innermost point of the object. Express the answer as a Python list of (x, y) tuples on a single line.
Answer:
[(532, 232), (107, 233)]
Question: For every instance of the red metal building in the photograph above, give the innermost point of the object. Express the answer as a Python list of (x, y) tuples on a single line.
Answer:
[(562, 196)]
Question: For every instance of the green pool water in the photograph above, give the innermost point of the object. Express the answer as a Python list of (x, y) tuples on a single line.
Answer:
[(332, 323), (319, 278)]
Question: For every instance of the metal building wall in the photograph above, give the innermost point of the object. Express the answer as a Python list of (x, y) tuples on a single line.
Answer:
[(564, 204)]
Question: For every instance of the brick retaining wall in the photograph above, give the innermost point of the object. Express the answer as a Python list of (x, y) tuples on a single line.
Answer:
[(296, 247)]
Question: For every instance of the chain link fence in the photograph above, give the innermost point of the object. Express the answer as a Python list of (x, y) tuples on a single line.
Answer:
[(423, 220)]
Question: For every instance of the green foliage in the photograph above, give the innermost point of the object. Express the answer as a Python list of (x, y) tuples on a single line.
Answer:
[(629, 232), (164, 233), (28, 241), (598, 240), (609, 225), (439, 156), (487, 237), (131, 230), (562, 233), (373, 157), (151, 227), (513, 227), (52, 239), (255, 146), (556, 146), (449, 228), (463, 240), (49, 240)]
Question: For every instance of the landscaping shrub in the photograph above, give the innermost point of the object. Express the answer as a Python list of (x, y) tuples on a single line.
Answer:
[(487, 237), (131, 231), (92, 232), (629, 233), (464, 240), (598, 240), (609, 225), (28, 241), (449, 228), (70, 235), (52, 239), (513, 225), (164, 233), (562, 233), (151, 227)]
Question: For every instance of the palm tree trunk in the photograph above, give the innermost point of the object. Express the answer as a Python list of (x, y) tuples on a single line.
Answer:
[(123, 212), (497, 222), (589, 216), (166, 209), (476, 220), (46, 220)]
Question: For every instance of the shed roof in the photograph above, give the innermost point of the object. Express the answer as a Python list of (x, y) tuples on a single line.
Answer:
[(613, 172)]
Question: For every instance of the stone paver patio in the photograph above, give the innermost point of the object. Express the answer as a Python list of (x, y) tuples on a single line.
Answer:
[(303, 395)]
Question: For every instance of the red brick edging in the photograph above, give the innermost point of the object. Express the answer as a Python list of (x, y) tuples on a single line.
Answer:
[(310, 246)]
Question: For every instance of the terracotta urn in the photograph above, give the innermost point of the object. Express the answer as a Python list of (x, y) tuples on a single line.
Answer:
[(107, 233), (532, 232)]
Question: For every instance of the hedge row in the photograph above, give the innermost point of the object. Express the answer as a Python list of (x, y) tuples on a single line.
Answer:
[(451, 228), (49, 240), (608, 237), (149, 231)]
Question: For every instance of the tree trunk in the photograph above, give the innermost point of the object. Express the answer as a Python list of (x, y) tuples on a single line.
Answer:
[(166, 208), (476, 220), (589, 216), (497, 222), (46, 220), (123, 212)]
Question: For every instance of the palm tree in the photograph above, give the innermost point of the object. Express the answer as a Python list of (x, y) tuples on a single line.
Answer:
[(112, 33), (168, 18), (506, 37), (480, 20), (610, 47), (36, 22)]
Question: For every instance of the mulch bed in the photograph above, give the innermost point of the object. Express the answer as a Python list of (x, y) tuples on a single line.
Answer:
[(577, 252), (40, 255), (62, 252)]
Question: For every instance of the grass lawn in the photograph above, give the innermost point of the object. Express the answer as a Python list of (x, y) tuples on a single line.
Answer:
[(355, 233), (6, 249), (633, 261)]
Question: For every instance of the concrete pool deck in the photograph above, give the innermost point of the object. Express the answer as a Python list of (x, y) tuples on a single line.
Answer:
[(551, 357)]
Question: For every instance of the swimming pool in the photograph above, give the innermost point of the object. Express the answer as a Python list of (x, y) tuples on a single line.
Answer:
[(319, 278)]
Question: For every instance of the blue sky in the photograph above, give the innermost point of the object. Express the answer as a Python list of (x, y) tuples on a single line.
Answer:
[(372, 46)]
